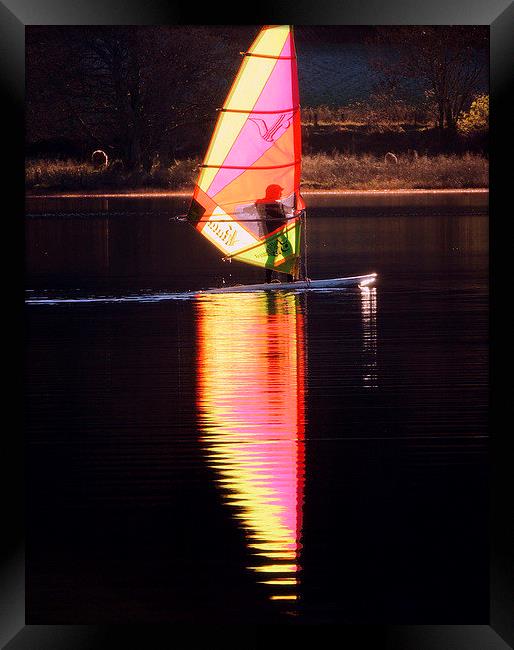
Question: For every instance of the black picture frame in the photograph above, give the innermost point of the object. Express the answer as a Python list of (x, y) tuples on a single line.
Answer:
[(498, 632)]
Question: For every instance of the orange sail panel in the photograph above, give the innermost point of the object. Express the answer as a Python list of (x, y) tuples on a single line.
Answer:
[(247, 198)]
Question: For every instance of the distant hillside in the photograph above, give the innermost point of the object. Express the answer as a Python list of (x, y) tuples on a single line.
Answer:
[(338, 73), (333, 74)]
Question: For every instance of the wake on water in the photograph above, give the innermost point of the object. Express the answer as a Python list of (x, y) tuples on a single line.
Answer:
[(159, 297), (145, 297)]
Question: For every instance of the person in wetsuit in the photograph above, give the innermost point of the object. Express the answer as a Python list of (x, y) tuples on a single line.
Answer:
[(274, 216)]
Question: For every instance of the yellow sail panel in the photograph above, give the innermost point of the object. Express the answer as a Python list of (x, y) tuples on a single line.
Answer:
[(279, 251), (270, 39), (227, 129)]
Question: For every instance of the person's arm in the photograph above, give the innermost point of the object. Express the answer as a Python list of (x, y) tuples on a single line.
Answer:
[(283, 213)]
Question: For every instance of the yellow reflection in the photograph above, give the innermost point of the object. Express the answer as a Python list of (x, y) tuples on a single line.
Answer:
[(369, 341), (251, 374)]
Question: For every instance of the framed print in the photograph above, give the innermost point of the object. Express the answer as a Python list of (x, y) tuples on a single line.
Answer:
[(253, 297)]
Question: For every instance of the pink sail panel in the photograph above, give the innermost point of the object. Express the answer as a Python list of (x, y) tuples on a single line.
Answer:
[(271, 116)]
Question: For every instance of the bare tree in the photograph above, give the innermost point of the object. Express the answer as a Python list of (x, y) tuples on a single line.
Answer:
[(136, 91), (447, 63)]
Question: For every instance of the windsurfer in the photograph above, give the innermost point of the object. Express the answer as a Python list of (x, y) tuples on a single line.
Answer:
[(272, 212)]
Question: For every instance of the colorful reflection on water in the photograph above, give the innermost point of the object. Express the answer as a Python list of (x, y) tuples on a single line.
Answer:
[(369, 336), (251, 401), (112, 406)]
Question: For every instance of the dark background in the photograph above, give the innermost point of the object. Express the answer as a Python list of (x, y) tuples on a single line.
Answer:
[(12, 79), (146, 94)]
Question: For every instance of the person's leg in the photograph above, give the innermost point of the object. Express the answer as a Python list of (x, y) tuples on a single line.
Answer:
[(295, 271)]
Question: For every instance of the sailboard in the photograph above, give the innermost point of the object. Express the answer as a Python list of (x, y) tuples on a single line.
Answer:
[(331, 283), (247, 199)]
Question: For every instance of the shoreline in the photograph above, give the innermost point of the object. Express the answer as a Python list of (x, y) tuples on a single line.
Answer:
[(138, 194)]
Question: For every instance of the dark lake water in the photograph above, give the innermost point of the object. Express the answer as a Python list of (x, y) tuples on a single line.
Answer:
[(310, 457)]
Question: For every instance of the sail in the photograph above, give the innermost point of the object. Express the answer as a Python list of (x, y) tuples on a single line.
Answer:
[(247, 200)]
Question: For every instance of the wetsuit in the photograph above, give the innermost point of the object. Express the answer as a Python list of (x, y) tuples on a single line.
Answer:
[(274, 217)]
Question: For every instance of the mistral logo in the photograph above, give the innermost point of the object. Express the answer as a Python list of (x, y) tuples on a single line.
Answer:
[(278, 246), (271, 128), (226, 233)]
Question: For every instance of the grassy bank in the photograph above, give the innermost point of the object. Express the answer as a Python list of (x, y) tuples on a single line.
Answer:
[(367, 172), (320, 171)]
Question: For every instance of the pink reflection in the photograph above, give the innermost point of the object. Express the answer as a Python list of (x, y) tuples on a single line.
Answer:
[(251, 404)]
